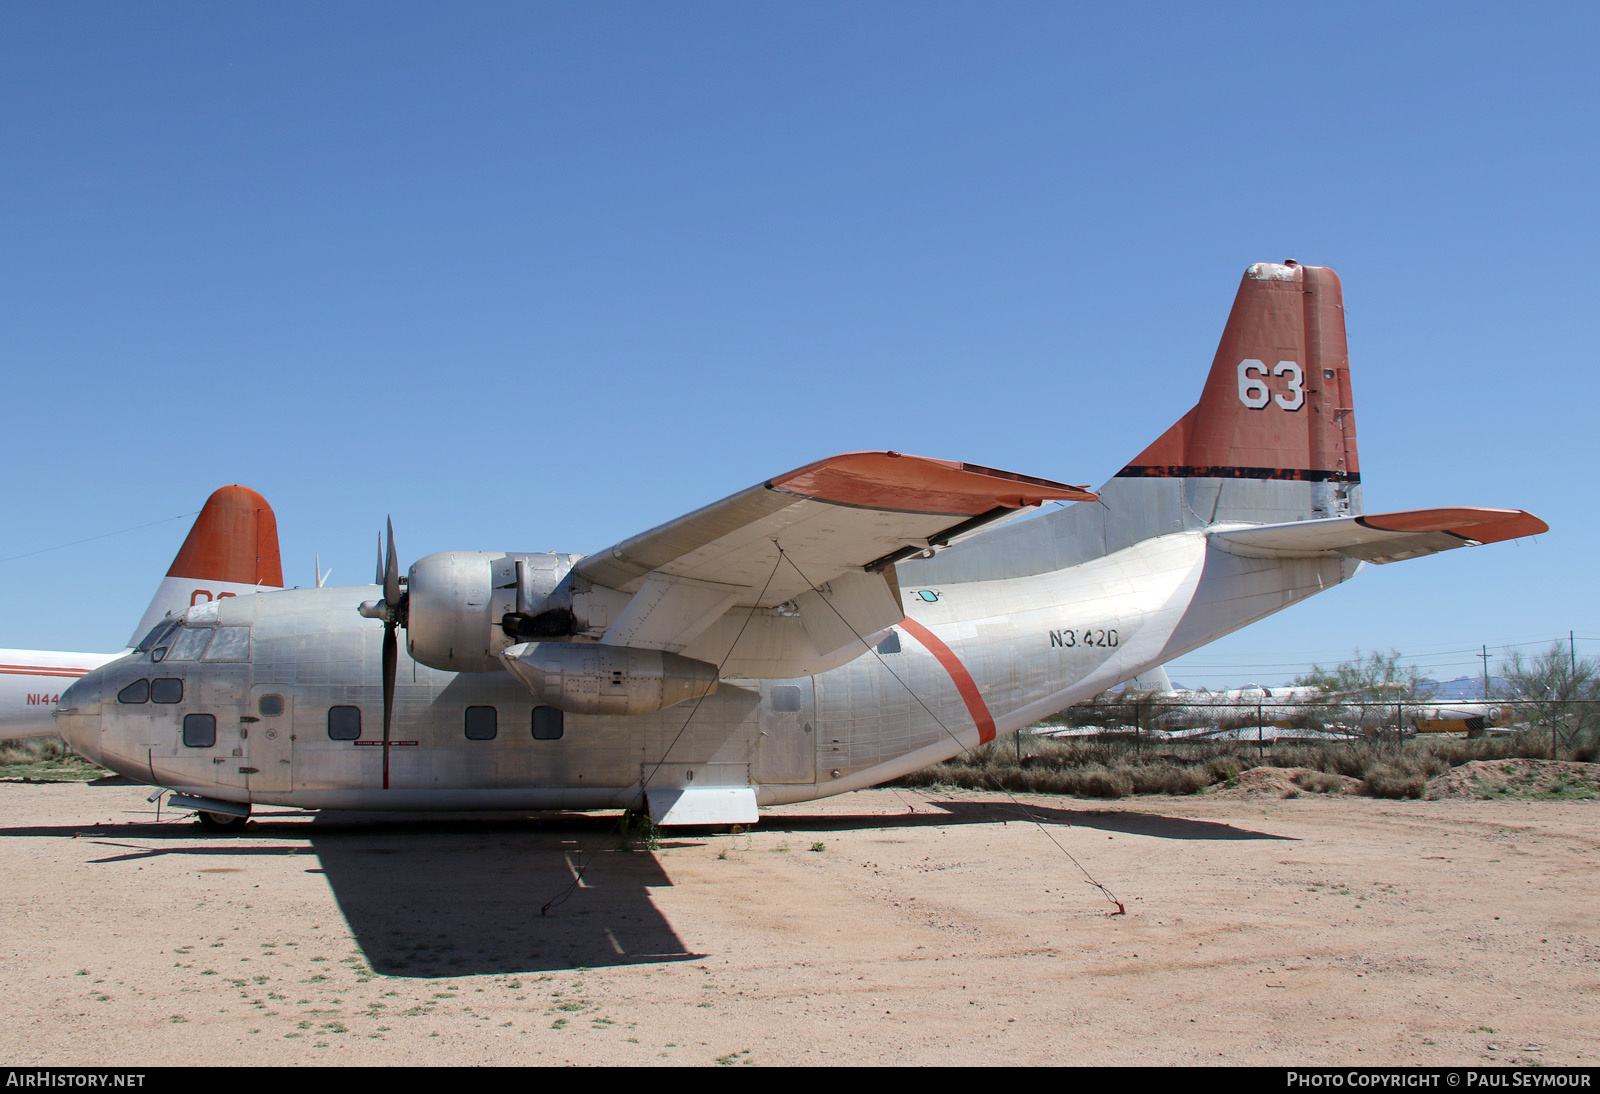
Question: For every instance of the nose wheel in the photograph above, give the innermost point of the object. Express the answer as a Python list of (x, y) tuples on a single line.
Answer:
[(221, 822)]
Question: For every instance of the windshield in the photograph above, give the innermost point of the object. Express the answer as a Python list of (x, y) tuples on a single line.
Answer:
[(157, 634)]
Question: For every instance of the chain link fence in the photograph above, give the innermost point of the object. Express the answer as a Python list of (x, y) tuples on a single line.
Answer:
[(1569, 729)]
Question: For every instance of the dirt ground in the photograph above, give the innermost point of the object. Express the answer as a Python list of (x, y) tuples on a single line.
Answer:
[(889, 926)]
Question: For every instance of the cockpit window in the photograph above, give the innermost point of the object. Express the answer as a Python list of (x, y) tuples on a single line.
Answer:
[(230, 644), (189, 644), (157, 635), (136, 692), (166, 690)]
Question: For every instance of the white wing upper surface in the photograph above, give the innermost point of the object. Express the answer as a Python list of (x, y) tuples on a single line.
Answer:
[(786, 578)]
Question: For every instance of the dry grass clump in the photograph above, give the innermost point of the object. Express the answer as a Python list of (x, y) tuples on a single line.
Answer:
[(1322, 782), (43, 758), (35, 750), (1396, 780), (1084, 769), (1119, 767)]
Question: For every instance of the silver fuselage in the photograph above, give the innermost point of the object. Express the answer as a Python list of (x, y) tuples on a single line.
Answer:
[(1001, 631)]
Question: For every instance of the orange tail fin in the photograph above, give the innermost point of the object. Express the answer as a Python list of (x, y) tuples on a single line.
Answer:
[(1277, 403), (231, 550)]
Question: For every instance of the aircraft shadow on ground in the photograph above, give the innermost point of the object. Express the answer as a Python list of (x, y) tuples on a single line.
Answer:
[(442, 897), (941, 813), (434, 897), (439, 898)]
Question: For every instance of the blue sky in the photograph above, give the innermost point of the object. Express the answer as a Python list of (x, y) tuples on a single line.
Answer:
[(538, 276)]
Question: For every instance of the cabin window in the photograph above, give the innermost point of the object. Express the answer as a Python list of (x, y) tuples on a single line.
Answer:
[(189, 644), (230, 644), (548, 724), (157, 636), (270, 706), (482, 723), (344, 723), (785, 698), (890, 643), (168, 689), (136, 692), (199, 730)]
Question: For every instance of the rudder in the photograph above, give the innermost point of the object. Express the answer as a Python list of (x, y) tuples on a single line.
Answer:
[(1276, 408)]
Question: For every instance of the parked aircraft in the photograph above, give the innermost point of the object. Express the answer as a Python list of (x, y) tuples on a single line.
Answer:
[(232, 549), (825, 630), (1287, 706), (1460, 717)]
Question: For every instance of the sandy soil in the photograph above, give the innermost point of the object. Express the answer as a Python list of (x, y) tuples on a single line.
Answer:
[(881, 927)]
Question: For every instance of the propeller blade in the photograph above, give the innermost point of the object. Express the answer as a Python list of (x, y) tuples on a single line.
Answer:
[(391, 656), (391, 573), (378, 580)]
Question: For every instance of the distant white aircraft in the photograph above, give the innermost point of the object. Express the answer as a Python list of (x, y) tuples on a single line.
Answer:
[(824, 630), (231, 550)]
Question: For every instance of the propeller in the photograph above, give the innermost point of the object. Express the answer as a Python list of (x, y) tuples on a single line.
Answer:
[(392, 610)]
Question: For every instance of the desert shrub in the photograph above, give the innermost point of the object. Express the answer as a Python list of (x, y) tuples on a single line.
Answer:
[(1396, 780), (1117, 765), (35, 750), (1532, 746), (1223, 769), (1166, 777), (1323, 782), (1101, 782)]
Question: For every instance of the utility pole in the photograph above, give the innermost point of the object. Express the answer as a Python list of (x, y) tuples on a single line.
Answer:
[(1485, 673)]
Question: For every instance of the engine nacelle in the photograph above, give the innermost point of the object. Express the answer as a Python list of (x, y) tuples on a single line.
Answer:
[(465, 607), (592, 678)]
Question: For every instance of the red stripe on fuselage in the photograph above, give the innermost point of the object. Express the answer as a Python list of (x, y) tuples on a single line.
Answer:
[(40, 670), (958, 675)]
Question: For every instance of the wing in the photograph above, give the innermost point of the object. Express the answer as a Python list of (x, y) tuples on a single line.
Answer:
[(785, 578), (1382, 537)]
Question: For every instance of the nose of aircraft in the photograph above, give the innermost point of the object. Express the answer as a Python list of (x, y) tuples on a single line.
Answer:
[(78, 715)]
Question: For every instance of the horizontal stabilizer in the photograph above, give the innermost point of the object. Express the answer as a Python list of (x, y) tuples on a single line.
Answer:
[(1380, 537)]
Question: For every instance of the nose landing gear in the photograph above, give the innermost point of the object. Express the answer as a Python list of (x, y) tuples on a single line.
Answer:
[(221, 822)]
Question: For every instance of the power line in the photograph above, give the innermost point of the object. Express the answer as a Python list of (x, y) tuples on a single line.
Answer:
[(103, 535)]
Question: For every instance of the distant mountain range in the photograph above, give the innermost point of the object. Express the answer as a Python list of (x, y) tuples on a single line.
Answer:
[(1465, 687)]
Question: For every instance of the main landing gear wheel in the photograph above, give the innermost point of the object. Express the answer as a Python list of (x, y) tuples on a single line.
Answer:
[(221, 822)]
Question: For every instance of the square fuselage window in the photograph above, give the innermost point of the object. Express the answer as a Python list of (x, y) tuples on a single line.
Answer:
[(482, 723), (199, 730), (786, 698), (548, 724), (344, 723)]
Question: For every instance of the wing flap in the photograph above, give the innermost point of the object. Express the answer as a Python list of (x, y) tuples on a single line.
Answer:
[(829, 517), (1381, 537), (762, 555)]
